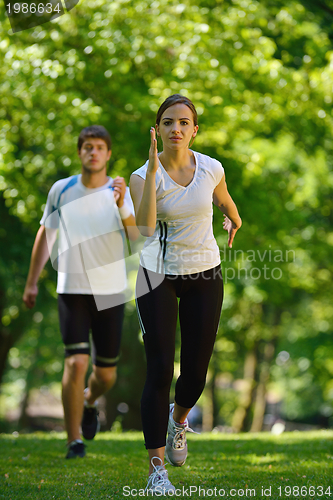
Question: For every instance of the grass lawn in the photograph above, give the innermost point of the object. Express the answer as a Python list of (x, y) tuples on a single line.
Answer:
[(293, 465)]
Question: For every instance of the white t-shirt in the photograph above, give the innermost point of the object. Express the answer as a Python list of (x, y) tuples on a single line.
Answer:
[(183, 242), (91, 243)]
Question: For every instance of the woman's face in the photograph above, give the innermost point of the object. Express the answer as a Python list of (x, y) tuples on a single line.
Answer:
[(176, 127)]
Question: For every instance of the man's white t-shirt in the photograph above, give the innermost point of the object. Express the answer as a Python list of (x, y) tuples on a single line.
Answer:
[(91, 243), (183, 242)]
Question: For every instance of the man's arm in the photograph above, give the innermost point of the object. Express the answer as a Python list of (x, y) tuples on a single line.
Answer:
[(127, 218), (132, 231), (39, 257)]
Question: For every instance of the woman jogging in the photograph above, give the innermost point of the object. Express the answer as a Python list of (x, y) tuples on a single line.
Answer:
[(172, 195)]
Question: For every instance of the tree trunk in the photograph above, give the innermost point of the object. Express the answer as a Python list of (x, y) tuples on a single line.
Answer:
[(23, 420), (245, 399), (6, 342), (260, 399), (208, 406), (8, 338)]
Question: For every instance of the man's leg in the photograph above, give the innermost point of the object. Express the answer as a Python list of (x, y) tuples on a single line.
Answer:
[(106, 335), (106, 332), (72, 393), (99, 382), (75, 320)]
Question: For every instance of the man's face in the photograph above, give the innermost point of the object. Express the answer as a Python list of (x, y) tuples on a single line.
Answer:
[(94, 155)]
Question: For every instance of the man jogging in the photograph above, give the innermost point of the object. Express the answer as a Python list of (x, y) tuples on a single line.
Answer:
[(88, 214)]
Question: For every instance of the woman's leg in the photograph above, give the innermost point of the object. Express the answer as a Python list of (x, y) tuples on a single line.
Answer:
[(199, 312), (157, 311)]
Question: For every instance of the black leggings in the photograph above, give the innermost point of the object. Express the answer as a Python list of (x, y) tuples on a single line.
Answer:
[(200, 305)]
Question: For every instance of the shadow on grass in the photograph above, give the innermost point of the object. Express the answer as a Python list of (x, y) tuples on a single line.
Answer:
[(33, 466)]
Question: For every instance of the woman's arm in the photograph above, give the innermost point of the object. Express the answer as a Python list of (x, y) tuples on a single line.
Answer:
[(223, 200), (143, 192)]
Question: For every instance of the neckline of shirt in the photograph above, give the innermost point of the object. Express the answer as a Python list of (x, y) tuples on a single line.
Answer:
[(194, 175), (94, 190)]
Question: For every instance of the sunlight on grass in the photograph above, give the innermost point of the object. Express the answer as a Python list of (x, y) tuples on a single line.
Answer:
[(33, 465)]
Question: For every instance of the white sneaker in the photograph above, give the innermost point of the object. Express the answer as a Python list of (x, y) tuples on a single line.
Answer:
[(158, 482), (176, 445)]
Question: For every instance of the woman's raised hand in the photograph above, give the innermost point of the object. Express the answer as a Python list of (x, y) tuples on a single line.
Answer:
[(153, 156)]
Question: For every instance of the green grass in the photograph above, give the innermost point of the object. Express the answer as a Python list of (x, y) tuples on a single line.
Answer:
[(33, 466)]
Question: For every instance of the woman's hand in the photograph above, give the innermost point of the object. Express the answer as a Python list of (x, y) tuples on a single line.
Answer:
[(143, 192), (153, 156), (232, 229), (30, 294)]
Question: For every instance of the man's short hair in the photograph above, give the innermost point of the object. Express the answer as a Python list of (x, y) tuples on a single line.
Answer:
[(95, 132)]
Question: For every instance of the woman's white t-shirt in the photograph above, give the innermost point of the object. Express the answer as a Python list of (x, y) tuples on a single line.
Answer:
[(183, 241)]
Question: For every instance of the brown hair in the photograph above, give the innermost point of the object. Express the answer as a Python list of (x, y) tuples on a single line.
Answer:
[(176, 99), (95, 132)]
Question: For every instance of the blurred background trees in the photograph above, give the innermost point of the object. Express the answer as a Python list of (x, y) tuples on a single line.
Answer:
[(261, 77)]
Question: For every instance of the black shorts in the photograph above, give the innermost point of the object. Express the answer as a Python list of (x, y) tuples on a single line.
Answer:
[(78, 315)]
